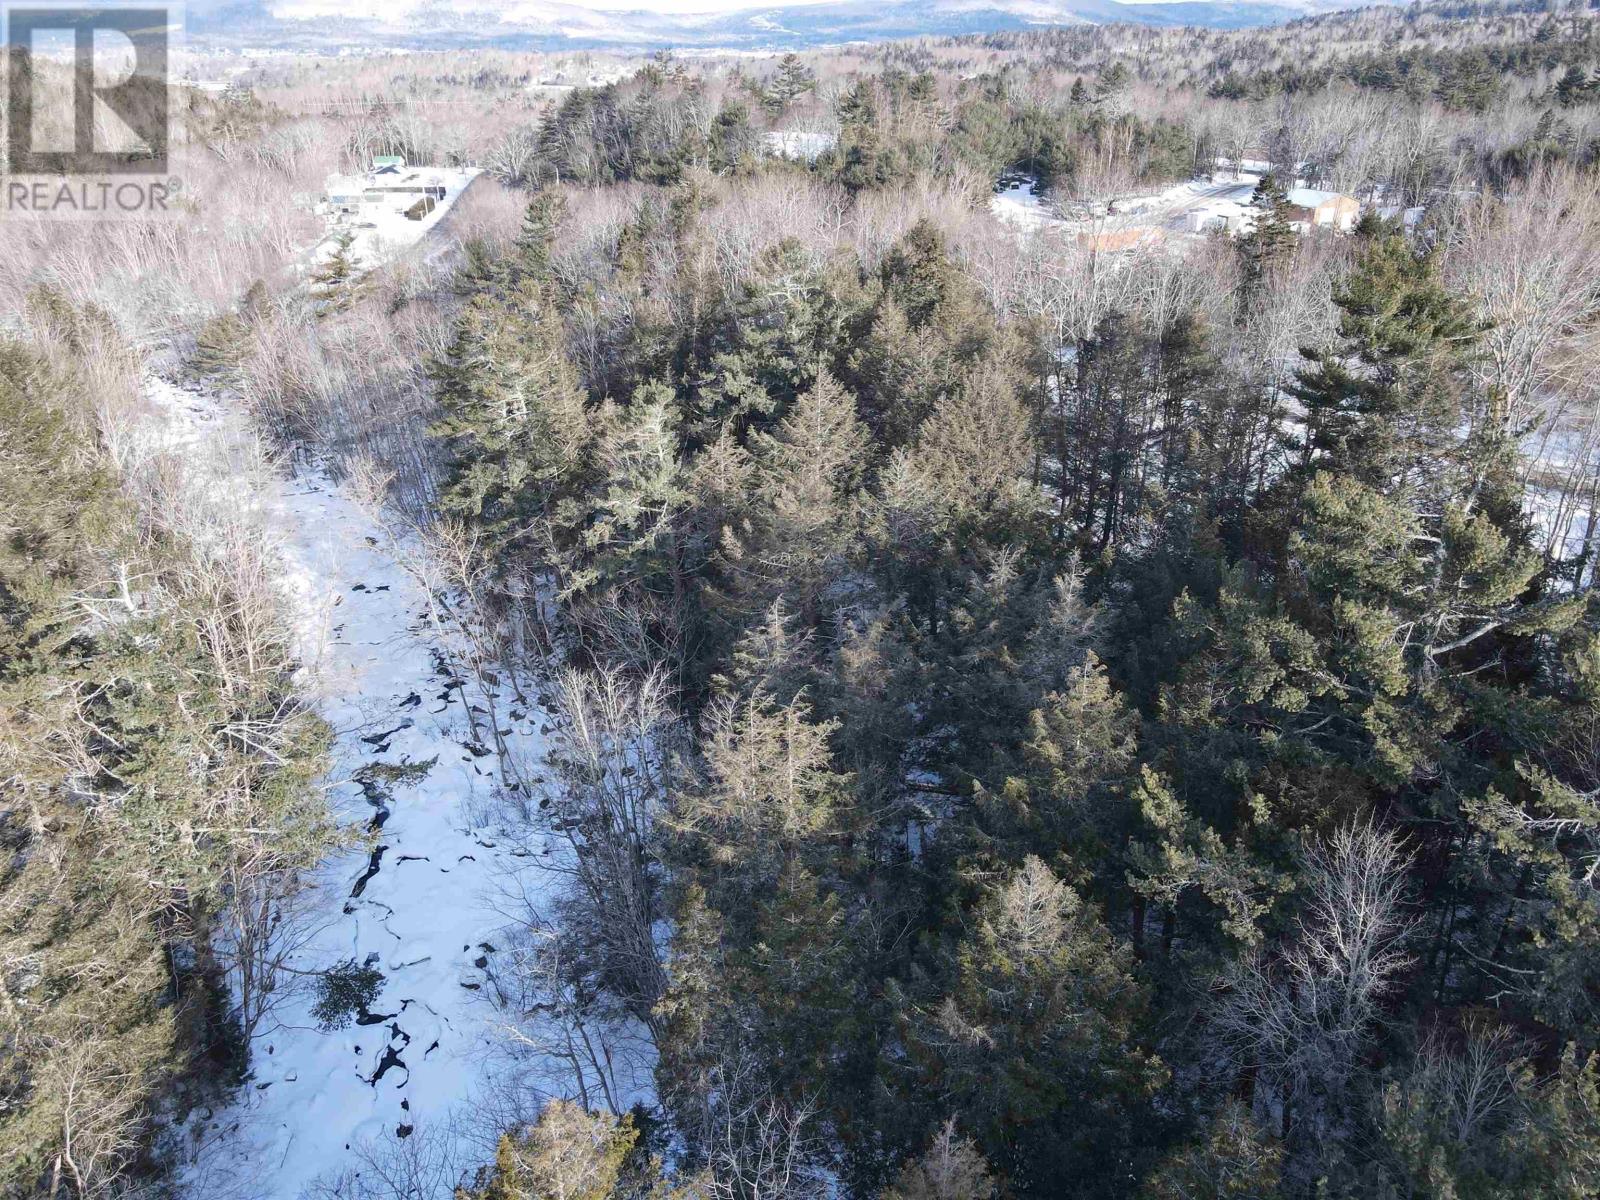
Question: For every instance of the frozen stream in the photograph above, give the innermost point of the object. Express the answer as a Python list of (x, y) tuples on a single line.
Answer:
[(415, 897)]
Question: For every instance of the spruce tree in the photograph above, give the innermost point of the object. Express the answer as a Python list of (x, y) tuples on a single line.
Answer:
[(1385, 404), (220, 348), (512, 416), (1078, 753), (1030, 1031), (137, 811), (858, 106), (1270, 244), (952, 1168), (1111, 85), (1573, 87), (1236, 1160), (629, 523), (541, 223), (793, 80), (336, 280), (810, 469), (972, 458), (568, 1153)]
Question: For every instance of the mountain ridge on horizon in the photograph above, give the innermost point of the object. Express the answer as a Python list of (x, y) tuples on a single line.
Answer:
[(554, 25)]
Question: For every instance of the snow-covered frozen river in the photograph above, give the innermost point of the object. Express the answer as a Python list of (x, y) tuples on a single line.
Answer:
[(415, 896)]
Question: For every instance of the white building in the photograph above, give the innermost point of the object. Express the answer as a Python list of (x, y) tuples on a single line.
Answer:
[(1409, 217), (1222, 216)]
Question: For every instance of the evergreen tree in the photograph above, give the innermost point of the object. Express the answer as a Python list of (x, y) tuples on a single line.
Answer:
[(138, 817), (922, 330), (1480, 1120), (1112, 85), (220, 348), (951, 1169), (568, 1153), (629, 526), (771, 799), (1573, 87), (858, 106), (336, 280), (772, 335), (1030, 1032), (961, 492), (1270, 244), (1236, 1161), (1384, 406), (536, 239), (919, 274), (973, 456), (1079, 749), (809, 468), (512, 416), (792, 80), (735, 143)]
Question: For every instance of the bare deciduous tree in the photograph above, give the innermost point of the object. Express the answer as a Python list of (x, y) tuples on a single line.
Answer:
[(608, 772), (1299, 1019), (756, 1145)]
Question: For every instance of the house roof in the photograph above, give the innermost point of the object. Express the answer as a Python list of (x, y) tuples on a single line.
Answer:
[(1312, 197)]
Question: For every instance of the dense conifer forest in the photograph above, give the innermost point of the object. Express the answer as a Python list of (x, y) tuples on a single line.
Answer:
[(971, 710)]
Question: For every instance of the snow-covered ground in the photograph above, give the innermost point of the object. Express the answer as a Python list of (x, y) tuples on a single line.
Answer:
[(799, 145), (419, 1084), (415, 897), (1561, 524), (381, 231), (1017, 202), (1170, 208), (1558, 458)]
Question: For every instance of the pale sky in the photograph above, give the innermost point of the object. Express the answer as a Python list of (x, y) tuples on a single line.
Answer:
[(679, 7), (688, 7), (684, 7)]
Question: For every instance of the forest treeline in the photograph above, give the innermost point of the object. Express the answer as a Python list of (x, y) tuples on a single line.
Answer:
[(1471, 78), (1093, 111), (662, 122), (1024, 721), (1062, 772), (1520, 40), (160, 773)]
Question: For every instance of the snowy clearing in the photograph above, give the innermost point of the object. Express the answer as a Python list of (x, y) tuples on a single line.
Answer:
[(415, 897), (799, 145), (1019, 203), (382, 231)]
